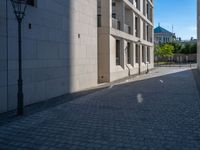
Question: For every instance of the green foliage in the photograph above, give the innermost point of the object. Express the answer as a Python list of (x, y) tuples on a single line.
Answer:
[(177, 47), (194, 48), (189, 48), (164, 50), (185, 48)]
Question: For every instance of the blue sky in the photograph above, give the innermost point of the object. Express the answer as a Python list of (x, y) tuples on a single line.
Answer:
[(179, 13)]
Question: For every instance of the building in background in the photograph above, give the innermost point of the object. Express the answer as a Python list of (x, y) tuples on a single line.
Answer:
[(125, 38), (191, 41), (162, 35)]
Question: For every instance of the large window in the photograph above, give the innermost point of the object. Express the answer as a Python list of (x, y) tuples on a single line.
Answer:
[(117, 52), (147, 10), (99, 20), (148, 55), (137, 53), (99, 13), (137, 4), (129, 53), (137, 26), (144, 9), (147, 32), (143, 54), (31, 2)]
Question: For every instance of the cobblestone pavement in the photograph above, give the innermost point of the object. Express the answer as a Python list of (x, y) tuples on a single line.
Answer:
[(161, 111)]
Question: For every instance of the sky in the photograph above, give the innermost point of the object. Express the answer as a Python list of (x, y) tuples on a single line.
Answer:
[(181, 14)]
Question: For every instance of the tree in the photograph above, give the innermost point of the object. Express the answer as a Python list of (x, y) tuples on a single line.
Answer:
[(189, 48), (194, 48), (177, 47), (164, 51)]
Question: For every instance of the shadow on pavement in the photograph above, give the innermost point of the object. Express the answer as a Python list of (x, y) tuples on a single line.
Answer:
[(160, 112), (44, 105), (155, 84)]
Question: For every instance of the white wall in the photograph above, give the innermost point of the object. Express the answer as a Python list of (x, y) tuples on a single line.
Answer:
[(59, 51)]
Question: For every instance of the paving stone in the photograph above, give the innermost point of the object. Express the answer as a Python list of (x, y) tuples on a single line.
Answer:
[(168, 117)]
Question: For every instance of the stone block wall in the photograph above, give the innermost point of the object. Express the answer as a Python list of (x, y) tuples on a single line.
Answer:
[(59, 50)]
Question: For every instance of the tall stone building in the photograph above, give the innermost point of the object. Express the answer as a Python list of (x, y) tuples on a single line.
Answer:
[(65, 50), (59, 50), (125, 38)]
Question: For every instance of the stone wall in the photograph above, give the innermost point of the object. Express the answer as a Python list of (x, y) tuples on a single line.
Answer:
[(59, 50), (179, 58)]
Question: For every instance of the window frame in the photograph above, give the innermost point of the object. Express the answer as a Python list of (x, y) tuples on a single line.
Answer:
[(31, 3)]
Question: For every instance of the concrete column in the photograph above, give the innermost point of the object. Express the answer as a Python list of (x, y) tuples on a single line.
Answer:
[(104, 41), (106, 13)]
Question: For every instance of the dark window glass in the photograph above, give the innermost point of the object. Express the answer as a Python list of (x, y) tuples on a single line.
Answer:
[(31, 2), (114, 15), (137, 55), (148, 55), (143, 54), (128, 53), (99, 20), (117, 52)]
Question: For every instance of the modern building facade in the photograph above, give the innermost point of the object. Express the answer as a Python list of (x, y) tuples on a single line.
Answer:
[(65, 50), (59, 50), (125, 38), (162, 35)]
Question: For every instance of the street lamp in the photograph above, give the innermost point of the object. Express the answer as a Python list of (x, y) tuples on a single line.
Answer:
[(19, 7)]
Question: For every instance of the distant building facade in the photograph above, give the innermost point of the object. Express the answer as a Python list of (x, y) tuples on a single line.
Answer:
[(191, 41), (125, 38), (162, 36)]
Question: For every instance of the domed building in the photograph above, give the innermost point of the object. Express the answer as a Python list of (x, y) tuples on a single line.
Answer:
[(162, 35)]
